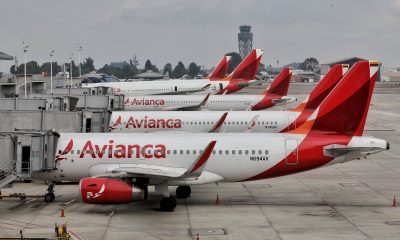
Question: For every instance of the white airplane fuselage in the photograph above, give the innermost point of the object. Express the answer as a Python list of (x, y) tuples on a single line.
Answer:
[(235, 157), (200, 121), (174, 102), (162, 86)]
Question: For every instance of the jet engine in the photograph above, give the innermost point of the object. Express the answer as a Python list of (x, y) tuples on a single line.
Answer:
[(110, 191)]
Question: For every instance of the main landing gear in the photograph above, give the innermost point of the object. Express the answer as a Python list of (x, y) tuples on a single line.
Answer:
[(167, 204), (49, 196), (183, 191)]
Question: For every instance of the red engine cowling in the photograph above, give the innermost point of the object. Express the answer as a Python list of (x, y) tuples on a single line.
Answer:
[(110, 191)]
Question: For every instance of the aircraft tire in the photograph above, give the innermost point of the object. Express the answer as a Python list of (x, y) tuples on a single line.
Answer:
[(183, 191), (168, 204)]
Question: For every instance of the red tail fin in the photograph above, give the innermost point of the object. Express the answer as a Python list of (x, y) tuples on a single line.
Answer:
[(317, 95), (220, 70), (324, 87), (280, 85), (345, 109), (247, 69)]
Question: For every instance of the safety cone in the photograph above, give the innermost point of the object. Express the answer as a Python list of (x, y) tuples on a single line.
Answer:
[(394, 202), (62, 212), (217, 200)]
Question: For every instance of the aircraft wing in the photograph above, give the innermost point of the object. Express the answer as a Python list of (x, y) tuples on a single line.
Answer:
[(186, 91), (196, 107), (167, 172)]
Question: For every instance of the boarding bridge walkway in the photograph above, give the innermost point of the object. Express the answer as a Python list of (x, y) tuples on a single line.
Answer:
[(32, 151)]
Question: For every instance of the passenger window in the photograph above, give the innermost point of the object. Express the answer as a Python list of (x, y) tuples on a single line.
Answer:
[(240, 152), (187, 152), (78, 151), (175, 152), (266, 151), (233, 152), (226, 152), (246, 152), (72, 151), (253, 151), (181, 152), (213, 152), (259, 151), (59, 151), (220, 152), (194, 152), (168, 151)]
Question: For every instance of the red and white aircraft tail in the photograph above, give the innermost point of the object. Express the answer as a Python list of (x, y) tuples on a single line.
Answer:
[(318, 94), (276, 92), (247, 69), (344, 110), (221, 69)]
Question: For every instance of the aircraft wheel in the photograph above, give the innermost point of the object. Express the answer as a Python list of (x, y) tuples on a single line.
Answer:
[(168, 204), (49, 197), (183, 192)]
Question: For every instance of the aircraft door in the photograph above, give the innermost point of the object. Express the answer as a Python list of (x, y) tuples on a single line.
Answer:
[(291, 119), (221, 86), (175, 88), (291, 152)]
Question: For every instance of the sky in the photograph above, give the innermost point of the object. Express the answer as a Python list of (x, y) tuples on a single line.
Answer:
[(200, 31)]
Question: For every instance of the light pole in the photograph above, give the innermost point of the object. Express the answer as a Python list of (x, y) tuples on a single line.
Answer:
[(70, 69), (25, 49), (51, 69), (80, 49)]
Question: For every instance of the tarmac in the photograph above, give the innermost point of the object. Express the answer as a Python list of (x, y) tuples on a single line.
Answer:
[(353, 200)]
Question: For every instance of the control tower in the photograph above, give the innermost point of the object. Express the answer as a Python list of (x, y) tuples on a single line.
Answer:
[(245, 38)]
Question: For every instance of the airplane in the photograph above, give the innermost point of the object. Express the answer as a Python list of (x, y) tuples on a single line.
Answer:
[(224, 121), (274, 95), (242, 76), (117, 168)]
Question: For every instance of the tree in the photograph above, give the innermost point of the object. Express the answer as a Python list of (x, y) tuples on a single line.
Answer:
[(179, 70), (311, 64), (193, 70), (88, 65), (235, 61), (168, 69), (32, 67), (46, 68), (148, 65)]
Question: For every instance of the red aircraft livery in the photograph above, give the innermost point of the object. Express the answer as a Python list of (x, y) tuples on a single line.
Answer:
[(122, 150)]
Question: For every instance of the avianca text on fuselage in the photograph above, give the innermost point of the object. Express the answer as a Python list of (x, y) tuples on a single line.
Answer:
[(112, 150), (143, 101), (153, 123)]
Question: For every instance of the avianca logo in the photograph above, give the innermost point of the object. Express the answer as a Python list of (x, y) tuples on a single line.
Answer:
[(145, 102), (66, 150), (114, 126), (90, 195), (122, 150), (153, 123)]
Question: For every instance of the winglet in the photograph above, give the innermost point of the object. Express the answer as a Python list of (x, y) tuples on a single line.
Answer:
[(218, 124), (204, 100), (220, 70), (252, 124), (197, 167)]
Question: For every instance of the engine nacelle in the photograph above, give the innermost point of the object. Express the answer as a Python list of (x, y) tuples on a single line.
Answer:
[(110, 191)]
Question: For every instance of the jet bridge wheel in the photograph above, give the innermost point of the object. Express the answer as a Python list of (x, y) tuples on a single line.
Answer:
[(183, 191), (167, 204)]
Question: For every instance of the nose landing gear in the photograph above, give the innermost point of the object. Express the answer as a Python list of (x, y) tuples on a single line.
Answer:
[(49, 196)]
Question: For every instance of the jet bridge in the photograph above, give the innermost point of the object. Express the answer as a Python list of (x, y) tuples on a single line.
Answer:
[(25, 151)]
